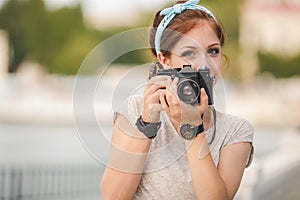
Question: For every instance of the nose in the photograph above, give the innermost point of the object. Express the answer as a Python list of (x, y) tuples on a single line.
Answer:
[(202, 60)]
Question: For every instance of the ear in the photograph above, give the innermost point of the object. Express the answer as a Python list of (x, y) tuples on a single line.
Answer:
[(163, 60)]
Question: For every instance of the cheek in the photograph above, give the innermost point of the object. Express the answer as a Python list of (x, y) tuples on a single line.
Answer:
[(216, 69), (176, 61)]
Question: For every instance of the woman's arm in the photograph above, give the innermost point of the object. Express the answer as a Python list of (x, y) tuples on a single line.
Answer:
[(126, 162), (129, 147), (232, 162), (209, 181), (222, 182)]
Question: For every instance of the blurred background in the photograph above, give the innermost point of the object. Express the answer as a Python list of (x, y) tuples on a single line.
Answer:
[(43, 44)]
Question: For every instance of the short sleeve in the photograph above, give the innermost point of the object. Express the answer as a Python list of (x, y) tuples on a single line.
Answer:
[(131, 108), (242, 131)]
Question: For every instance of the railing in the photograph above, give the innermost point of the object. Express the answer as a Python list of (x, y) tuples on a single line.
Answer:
[(283, 186), (55, 183), (79, 182), (275, 172)]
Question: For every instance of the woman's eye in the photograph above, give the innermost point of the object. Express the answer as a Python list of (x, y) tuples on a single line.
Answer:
[(188, 54), (214, 51)]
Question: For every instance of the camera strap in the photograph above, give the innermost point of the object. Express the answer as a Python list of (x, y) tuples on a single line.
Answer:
[(153, 68), (213, 110)]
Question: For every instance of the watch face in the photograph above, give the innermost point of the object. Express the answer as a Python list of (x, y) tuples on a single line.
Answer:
[(187, 132)]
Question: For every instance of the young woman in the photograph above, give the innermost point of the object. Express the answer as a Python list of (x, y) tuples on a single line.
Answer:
[(163, 148)]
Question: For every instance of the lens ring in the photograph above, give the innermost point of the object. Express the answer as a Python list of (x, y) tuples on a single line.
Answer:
[(188, 85)]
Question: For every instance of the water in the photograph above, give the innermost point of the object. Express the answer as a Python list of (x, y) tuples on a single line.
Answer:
[(34, 146), (46, 162)]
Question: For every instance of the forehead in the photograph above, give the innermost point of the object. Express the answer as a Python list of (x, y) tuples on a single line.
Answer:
[(202, 35)]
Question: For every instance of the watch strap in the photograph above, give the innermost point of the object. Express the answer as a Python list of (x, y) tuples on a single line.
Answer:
[(149, 129), (189, 132), (198, 129)]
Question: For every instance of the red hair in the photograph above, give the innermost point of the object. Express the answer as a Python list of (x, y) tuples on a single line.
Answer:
[(182, 23)]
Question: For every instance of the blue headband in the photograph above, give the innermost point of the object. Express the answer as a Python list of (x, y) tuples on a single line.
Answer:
[(171, 12)]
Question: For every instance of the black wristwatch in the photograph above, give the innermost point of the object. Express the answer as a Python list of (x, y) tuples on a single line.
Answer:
[(188, 132), (149, 129)]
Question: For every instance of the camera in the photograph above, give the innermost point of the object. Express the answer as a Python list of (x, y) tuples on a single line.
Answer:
[(190, 82)]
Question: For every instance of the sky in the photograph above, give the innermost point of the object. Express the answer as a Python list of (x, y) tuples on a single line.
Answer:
[(106, 6), (116, 11), (102, 7), (110, 10)]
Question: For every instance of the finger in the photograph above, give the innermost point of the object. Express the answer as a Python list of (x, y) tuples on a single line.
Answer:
[(176, 80), (172, 98), (156, 108), (160, 77), (173, 90), (163, 102), (152, 106), (172, 95), (203, 101), (156, 83), (153, 114), (204, 97), (153, 98), (168, 91), (154, 88), (158, 80)]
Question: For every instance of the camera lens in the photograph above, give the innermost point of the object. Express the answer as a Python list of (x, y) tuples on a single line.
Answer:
[(188, 91)]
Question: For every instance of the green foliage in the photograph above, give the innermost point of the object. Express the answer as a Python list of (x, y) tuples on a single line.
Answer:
[(56, 39), (227, 12), (71, 53), (278, 66), (135, 57), (59, 39), (15, 26)]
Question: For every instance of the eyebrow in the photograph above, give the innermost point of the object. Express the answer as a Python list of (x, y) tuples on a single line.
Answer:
[(214, 44), (188, 47), (194, 47)]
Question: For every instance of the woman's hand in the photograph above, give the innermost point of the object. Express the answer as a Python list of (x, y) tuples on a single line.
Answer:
[(179, 111), (154, 89)]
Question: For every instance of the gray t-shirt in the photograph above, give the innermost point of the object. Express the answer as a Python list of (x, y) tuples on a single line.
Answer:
[(166, 173)]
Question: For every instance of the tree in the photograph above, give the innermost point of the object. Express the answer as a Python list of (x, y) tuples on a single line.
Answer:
[(56, 39)]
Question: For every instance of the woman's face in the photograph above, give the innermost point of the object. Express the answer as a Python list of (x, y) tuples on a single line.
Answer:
[(200, 46)]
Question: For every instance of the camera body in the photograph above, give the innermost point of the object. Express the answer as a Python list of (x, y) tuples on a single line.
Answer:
[(190, 83)]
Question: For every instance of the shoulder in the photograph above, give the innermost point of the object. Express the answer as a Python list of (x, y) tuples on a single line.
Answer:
[(135, 105), (238, 129), (238, 126), (135, 101), (234, 129), (131, 108)]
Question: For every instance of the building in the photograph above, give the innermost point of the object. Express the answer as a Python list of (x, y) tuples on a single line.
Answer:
[(270, 26)]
